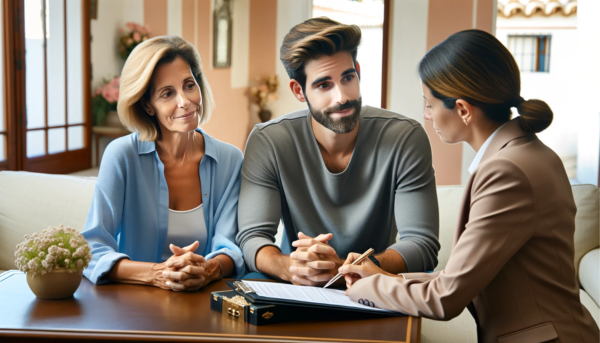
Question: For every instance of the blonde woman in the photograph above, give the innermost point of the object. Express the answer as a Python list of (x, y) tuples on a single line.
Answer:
[(511, 263), (169, 183)]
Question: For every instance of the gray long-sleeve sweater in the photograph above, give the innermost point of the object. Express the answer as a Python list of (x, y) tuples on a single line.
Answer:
[(387, 189)]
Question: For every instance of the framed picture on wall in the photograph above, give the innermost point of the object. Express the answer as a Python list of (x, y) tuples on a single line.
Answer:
[(222, 27)]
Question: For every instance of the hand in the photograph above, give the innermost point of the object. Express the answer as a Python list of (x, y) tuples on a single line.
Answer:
[(187, 271), (314, 262), (353, 273)]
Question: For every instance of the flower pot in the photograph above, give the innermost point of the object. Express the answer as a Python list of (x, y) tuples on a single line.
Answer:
[(57, 284), (264, 115), (112, 119)]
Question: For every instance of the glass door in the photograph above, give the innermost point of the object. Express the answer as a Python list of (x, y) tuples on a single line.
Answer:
[(56, 103)]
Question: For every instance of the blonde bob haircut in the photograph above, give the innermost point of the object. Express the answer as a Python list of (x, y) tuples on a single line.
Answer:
[(136, 77)]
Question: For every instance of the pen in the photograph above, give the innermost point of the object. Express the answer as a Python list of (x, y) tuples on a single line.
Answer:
[(357, 261)]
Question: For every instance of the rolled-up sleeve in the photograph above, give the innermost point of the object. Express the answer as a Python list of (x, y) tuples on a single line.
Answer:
[(416, 204), (104, 218)]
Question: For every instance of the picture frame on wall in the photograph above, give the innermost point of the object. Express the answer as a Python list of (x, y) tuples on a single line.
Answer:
[(222, 33)]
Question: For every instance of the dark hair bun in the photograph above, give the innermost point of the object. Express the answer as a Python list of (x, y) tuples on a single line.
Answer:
[(535, 114)]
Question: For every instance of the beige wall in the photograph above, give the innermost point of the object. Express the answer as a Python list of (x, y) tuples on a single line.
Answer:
[(446, 17)]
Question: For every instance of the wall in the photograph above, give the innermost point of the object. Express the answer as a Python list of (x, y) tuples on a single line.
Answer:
[(558, 87), (587, 104), (417, 26)]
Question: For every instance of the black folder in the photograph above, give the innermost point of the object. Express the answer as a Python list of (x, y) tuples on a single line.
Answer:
[(237, 286)]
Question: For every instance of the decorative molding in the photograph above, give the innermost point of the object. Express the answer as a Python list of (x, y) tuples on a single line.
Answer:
[(528, 8)]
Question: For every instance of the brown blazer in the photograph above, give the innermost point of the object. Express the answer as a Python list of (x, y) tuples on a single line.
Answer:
[(512, 256)]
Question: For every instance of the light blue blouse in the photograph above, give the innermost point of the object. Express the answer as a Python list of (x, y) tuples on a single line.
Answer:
[(128, 217)]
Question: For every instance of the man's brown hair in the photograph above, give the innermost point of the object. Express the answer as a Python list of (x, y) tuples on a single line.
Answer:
[(314, 38)]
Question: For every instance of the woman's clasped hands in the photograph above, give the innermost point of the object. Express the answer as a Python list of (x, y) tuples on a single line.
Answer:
[(185, 270)]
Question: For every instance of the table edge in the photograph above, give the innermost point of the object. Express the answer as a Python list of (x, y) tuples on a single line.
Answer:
[(171, 336)]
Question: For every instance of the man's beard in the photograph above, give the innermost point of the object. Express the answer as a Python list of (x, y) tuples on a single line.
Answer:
[(339, 125)]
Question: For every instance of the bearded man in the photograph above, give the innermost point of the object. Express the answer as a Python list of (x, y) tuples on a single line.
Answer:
[(341, 176)]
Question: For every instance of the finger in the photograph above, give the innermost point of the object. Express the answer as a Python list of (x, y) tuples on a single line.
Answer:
[(193, 284), (351, 258), (321, 238), (304, 271), (348, 269), (175, 286), (177, 251), (324, 238), (178, 276), (184, 260), (179, 263), (321, 264), (307, 242), (304, 256), (322, 249), (193, 270), (303, 281), (324, 277)]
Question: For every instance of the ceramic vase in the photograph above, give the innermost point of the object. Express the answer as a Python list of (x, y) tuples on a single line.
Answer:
[(57, 284), (112, 119)]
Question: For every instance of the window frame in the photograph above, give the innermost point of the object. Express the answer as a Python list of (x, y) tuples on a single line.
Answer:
[(15, 95)]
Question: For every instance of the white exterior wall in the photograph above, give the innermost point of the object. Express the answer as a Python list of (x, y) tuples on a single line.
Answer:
[(559, 87)]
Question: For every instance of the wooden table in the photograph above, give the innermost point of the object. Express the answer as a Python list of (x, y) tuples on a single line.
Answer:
[(119, 312), (106, 131)]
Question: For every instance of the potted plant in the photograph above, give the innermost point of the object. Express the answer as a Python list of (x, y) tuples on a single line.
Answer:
[(129, 40), (104, 104), (264, 93), (54, 261)]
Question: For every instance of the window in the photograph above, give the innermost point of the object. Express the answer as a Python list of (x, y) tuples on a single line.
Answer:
[(46, 86), (532, 52), (371, 16)]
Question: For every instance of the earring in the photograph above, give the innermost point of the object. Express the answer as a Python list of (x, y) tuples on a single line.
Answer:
[(466, 122)]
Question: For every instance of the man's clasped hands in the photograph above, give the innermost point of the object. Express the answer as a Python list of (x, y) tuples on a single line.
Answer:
[(315, 262)]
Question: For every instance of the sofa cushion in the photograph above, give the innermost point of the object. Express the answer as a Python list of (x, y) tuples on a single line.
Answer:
[(587, 222), (461, 329), (31, 202), (589, 274), (591, 306), (449, 198)]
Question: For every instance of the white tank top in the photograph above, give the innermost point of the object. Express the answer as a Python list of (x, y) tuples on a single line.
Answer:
[(184, 228)]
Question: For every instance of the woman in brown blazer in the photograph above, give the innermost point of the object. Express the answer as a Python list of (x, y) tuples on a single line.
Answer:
[(511, 263)]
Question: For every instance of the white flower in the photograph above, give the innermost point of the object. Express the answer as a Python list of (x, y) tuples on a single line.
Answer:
[(42, 254), (32, 265), (79, 263), (61, 245), (73, 242)]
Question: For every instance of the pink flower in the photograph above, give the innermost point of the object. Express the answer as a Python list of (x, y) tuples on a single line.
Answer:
[(147, 30), (98, 91), (130, 26), (106, 93), (114, 93), (129, 41), (136, 37), (121, 31), (115, 82)]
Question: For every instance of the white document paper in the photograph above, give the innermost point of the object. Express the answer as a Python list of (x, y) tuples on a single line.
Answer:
[(315, 295)]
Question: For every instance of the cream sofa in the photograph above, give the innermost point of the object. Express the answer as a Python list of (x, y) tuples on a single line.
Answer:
[(29, 202)]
